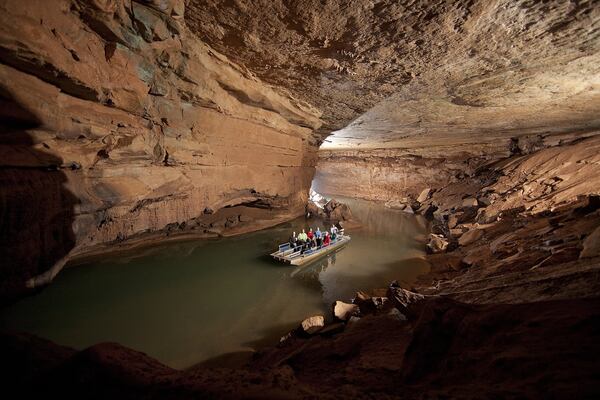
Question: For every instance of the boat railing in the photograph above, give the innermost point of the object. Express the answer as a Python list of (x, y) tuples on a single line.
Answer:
[(296, 251)]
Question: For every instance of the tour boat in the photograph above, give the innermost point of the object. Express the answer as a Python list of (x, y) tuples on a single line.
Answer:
[(294, 256)]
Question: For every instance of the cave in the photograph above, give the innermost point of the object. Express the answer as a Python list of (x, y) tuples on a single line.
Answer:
[(154, 153)]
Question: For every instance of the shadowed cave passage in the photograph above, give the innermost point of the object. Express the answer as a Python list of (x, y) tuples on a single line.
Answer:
[(36, 209)]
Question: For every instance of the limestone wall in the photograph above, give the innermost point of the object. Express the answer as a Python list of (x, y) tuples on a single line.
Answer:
[(118, 123)]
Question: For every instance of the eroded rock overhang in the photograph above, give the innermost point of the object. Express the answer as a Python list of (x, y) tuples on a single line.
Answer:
[(451, 83), (119, 126)]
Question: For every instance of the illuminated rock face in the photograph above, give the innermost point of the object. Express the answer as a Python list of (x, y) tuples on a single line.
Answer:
[(118, 124), (418, 92)]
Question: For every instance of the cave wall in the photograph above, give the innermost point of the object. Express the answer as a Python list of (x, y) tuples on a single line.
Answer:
[(401, 174), (118, 123), (417, 93)]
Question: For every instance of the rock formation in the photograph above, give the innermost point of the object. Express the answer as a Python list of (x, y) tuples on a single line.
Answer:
[(118, 124)]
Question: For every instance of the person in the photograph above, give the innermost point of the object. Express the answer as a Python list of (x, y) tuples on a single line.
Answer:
[(326, 240), (302, 239), (318, 237), (293, 241), (334, 232), (310, 234)]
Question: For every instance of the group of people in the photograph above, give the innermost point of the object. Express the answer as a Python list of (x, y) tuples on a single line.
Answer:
[(310, 239)]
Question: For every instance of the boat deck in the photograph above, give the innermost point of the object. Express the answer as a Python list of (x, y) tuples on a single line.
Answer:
[(294, 256)]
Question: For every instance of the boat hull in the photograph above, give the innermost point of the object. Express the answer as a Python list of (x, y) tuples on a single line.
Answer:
[(301, 259)]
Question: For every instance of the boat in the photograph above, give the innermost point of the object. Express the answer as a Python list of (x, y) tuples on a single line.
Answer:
[(295, 256)]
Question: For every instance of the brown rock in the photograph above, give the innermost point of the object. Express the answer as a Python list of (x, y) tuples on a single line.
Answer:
[(470, 237), (313, 324), (402, 299), (469, 202), (591, 245), (343, 311), (424, 195), (437, 243)]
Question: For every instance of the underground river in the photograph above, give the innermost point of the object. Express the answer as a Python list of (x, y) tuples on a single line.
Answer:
[(188, 302)]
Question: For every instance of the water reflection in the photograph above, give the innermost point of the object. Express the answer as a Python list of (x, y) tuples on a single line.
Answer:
[(187, 302)]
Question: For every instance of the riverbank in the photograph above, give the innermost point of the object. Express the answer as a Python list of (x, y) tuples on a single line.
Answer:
[(445, 349)]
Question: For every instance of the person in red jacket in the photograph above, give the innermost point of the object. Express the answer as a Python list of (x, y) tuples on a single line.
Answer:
[(326, 240)]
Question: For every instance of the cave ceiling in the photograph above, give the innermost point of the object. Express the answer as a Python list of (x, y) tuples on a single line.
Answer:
[(417, 73)]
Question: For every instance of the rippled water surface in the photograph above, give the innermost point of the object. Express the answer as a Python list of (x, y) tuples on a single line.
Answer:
[(187, 302)]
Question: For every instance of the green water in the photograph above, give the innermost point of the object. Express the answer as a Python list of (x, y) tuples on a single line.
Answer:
[(188, 302)]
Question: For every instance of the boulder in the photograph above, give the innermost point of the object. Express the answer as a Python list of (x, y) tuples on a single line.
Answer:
[(402, 298), (370, 304), (313, 324), (437, 243), (485, 200), (331, 205), (427, 210), (470, 237), (424, 195), (470, 202), (312, 210), (591, 245), (343, 311), (340, 213), (335, 211)]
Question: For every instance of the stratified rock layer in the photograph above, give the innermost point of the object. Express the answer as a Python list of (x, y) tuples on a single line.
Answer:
[(453, 71), (118, 123)]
